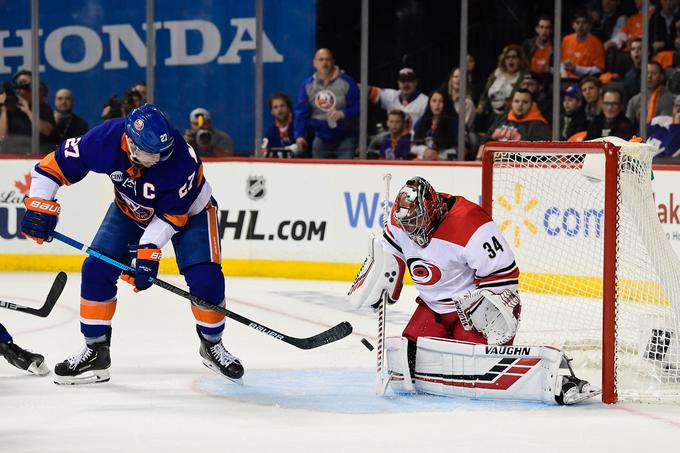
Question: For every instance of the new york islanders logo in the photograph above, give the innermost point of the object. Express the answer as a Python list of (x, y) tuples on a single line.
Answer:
[(138, 124), (325, 100), (138, 211), (423, 272)]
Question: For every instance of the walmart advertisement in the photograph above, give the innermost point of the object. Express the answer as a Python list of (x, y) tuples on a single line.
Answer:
[(205, 54)]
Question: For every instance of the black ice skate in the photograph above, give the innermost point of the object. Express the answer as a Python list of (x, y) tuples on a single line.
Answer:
[(574, 390), (87, 367), (219, 360), (23, 359)]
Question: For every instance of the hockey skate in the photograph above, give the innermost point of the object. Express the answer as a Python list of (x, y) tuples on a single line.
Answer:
[(218, 359), (87, 367), (23, 359), (575, 390)]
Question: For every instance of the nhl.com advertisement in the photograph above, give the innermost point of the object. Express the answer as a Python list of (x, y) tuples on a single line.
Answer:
[(323, 213)]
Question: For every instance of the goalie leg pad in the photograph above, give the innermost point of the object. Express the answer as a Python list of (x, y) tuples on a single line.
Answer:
[(396, 353), (453, 368), (382, 271)]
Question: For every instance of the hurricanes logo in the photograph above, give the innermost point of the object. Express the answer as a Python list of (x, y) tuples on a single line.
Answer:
[(523, 209), (423, 272), (325, 100)]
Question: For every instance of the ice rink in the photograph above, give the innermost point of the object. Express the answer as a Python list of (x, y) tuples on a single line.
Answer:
[(162, 399)]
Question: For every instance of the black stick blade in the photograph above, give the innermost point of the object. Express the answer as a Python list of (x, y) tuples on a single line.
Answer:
[(53, 295), (335, 333)]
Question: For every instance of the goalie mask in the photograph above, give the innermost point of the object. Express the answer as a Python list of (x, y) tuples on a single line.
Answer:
[(419, 210)]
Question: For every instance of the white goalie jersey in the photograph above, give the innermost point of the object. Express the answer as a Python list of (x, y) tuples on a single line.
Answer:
[(467, 252)]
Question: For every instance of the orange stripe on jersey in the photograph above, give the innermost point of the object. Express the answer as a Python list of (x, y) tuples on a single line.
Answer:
[(100, 311), (199, 178), (49, 165), (214, 237), (178, 220), (206, 316)]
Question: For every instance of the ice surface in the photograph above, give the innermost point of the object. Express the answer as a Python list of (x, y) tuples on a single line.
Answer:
[(162, 399)]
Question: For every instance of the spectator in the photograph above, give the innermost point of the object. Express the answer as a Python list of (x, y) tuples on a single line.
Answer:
[(16, 117), (662, 31), (523, 122), (664, 133), (140, 87), (632, 28), (396, 144), (474, 86), (591, 88), (608, 21), (67, 123), (505, 80), (633, 78), (204, 138), (407, 98), (582, 52), (328, 106), (131, 101), (534, 83), (574, 118), (612, 121), (659, 100), (436, 133), (453, 88), (538, 50), (280, 134), (113, 108), (670, 58)]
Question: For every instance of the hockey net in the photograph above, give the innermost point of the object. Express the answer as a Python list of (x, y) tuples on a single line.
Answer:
[(598, 278)]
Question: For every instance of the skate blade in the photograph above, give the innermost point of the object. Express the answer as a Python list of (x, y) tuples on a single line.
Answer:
[(579, 397), (89, 377), (211, 367), (38, 369)]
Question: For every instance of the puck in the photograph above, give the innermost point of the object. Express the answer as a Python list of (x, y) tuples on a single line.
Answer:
[(366, 343)]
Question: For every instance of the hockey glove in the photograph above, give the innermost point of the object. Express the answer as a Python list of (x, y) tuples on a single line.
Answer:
[(40, 219), (145, 259)]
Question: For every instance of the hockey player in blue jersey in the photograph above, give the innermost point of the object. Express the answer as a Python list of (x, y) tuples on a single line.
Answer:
[(160, 196), (19, 357)]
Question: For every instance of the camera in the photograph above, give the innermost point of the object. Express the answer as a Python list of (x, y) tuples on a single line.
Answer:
[(203, 137), (11, 99)]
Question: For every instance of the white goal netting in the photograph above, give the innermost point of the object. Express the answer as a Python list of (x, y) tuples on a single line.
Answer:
[(550, 204)]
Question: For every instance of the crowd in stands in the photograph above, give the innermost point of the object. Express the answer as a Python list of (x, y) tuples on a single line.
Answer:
[(600, 79)]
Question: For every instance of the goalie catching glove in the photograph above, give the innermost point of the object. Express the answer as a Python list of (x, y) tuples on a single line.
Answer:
[(495, 315), (381, 272)]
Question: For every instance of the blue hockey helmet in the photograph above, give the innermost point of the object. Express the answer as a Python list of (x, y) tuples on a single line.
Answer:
[(150, 132)]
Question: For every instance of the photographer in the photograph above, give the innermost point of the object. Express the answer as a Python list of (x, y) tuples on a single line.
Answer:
[(205, 139), (16, 116)]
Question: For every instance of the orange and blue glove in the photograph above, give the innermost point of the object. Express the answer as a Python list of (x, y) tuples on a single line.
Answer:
[(145, 259), (40, 219)]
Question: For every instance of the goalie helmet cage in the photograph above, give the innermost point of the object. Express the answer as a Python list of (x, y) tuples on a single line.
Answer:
[(599, 278)]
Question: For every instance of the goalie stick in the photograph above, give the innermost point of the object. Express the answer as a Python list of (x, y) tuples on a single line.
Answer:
[(52, 297), (335, 333), (381, 380)]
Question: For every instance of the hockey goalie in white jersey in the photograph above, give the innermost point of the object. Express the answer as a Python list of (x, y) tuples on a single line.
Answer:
[(459, 339)]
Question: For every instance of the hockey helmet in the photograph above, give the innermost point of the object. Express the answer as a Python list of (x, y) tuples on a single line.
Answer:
[(419, 210), (149, 131)]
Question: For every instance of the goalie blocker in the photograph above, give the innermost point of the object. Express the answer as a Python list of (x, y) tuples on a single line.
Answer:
[(454, 368)]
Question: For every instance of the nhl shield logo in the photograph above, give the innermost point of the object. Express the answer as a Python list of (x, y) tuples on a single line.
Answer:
[(255, 188)]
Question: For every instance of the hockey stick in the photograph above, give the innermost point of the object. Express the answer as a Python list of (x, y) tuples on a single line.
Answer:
[(381, 381), (335, 333), (52, 297)]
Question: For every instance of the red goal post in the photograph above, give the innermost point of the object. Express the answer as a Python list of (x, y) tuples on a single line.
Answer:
[(587, 241)]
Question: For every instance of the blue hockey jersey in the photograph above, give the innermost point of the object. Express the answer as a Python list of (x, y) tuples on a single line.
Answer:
[(171, 190)]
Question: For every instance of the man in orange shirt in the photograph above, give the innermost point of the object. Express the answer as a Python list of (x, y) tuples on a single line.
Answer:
[(582, 53), (539, 49)]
